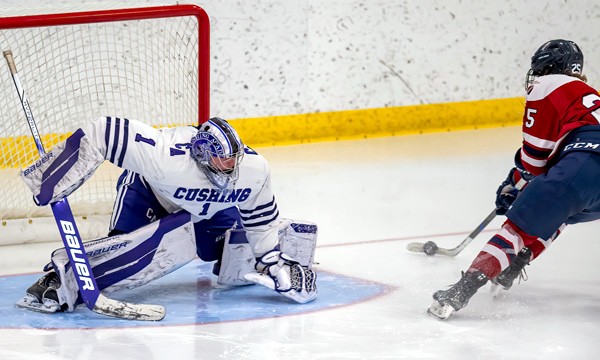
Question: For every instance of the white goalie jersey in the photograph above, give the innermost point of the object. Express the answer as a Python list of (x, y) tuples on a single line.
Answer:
[(162, 157)]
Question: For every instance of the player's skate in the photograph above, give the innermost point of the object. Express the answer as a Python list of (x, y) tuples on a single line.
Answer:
[(457, 297), (42, 296), (505, 279)]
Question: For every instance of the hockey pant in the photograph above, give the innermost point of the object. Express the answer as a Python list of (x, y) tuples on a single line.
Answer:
[(136, 206), (568, 193)]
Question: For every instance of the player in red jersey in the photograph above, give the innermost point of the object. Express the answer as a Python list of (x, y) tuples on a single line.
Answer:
[(559, 164)]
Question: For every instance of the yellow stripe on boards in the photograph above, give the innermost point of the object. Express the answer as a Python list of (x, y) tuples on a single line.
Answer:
[(330, 126), (20, 151), (379, 122)]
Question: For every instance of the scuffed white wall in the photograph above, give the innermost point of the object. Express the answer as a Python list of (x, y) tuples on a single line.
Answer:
[(274, 57), (355, 54)]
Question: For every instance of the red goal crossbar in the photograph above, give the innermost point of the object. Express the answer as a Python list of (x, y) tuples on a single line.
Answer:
[(97, 16)]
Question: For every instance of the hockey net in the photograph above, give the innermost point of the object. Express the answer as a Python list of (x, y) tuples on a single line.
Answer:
[(149, 64)]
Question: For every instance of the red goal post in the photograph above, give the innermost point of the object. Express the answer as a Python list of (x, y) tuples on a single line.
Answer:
[(147, 63)]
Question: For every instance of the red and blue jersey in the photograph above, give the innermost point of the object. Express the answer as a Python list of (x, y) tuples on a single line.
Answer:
[(556, 105)]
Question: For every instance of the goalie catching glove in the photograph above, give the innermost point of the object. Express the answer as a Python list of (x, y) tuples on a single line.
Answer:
[(281, 273)]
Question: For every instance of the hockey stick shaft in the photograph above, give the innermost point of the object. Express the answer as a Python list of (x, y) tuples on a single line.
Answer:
[(69, 233), (460, 247), (420, 247)]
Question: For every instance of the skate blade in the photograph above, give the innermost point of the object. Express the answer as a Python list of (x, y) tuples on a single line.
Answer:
[(32, 304), (439, 311), (496, 290)]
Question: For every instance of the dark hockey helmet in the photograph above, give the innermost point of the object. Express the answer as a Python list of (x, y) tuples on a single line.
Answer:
[(556, 57), (218, 150)]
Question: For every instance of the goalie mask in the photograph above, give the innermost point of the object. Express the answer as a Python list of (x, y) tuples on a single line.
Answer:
[(219, 151), (556, 57)]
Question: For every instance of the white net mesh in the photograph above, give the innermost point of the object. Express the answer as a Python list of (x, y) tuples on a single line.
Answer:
[(139, 69)]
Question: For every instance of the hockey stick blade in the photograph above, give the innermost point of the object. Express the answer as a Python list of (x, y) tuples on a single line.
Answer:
[(420, 247), (415, 247), (129, 311)]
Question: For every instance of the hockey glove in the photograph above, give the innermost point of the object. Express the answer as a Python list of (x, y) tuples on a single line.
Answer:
[(63, 169), (281, 273), (510, 188)]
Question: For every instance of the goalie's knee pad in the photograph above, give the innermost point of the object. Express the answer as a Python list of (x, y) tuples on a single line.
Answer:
[(298, 239), (127, 261)]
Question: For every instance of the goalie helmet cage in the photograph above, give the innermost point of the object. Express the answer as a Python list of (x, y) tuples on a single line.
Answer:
[(144, 63)]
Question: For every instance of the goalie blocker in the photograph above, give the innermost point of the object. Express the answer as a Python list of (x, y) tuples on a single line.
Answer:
[(127, 261)]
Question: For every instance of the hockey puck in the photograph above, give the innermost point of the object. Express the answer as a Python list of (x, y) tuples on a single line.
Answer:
[(430, 248)]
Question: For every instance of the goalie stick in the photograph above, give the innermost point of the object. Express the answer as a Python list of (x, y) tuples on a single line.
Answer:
[(82, 269), (430, 248)]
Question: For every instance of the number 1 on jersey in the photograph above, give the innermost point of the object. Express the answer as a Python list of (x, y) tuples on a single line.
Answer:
[(204, 209), (140, 138)]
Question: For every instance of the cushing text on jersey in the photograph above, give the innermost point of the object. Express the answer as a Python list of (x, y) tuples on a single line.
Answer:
[(212, 195)]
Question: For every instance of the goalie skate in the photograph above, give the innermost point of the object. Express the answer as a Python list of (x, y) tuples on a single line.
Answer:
[(30, 302), (41, 296)]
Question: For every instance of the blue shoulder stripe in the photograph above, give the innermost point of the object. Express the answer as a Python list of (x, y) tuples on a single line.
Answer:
[(107, 134), (125, 140), (115, 140)]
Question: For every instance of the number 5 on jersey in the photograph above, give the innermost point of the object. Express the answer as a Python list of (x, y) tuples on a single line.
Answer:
[(530, 120)]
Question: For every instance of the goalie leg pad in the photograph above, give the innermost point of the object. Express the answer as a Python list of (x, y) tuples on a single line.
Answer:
[(297, 239), (127, 261), (237, 260)]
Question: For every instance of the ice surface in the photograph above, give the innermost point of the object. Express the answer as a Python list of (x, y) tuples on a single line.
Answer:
[(370, 198)]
